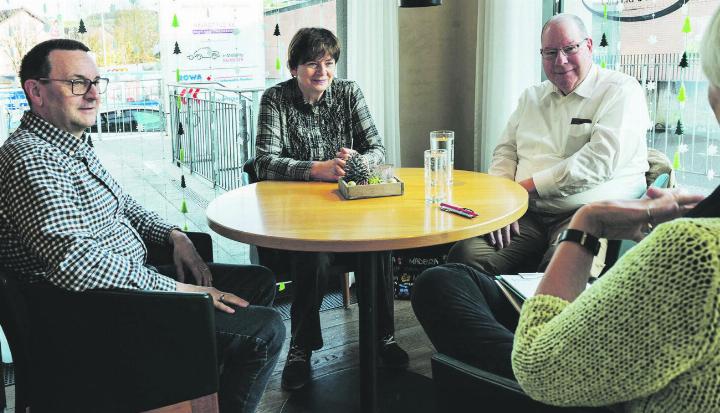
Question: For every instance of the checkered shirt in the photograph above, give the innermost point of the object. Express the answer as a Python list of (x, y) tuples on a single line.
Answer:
[(65, 220), (292, 133)]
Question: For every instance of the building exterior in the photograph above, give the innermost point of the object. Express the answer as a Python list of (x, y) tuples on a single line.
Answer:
[(20, 30)]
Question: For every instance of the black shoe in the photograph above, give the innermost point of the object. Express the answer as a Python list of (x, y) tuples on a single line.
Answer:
[(391, 355), (296, 373)]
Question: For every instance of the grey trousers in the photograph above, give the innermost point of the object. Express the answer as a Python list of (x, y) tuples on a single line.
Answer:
[(528, 252)]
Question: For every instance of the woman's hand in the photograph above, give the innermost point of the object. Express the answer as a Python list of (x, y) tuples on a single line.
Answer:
[(221, 300), (633, 219), (328, 171), (345, 153)]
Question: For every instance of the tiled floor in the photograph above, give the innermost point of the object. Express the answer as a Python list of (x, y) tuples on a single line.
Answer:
[(141, 163)]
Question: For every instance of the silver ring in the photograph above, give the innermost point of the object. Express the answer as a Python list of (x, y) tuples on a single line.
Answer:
[(221, 298)]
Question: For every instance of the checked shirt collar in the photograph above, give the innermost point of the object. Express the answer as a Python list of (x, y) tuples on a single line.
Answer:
[(65, 141)]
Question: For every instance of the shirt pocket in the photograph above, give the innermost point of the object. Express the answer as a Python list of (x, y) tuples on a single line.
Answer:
[(577, 137)]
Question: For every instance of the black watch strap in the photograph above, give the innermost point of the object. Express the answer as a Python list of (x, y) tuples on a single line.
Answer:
[(589, 241)]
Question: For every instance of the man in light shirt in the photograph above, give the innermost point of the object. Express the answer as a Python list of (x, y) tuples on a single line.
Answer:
[(576, 138)]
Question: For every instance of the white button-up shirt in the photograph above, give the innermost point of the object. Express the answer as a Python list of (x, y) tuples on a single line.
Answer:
[(584, 147)]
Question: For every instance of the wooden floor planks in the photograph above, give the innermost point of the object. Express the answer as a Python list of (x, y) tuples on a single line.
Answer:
[(341, 349)]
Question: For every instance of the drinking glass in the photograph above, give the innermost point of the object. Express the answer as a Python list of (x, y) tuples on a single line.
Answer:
[(445, 139), (385, 171), (436, 176)]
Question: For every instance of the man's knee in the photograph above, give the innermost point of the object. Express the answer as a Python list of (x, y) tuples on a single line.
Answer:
[(435, 282), (272, 329), (461, 251), (264, 282), (473, 252)]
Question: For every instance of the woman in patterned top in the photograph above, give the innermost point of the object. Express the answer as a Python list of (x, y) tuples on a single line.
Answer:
[(307, 128), (643, 338)]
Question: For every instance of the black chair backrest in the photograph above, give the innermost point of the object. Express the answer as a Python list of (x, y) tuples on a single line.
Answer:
[(15, 324), (162, 255), (111, 351)]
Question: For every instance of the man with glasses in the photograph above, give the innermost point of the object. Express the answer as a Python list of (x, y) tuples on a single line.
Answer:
[(65, 221), (576, 138)]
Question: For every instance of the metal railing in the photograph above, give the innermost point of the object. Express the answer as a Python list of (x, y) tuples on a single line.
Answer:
[(217, 135), (126, 106)]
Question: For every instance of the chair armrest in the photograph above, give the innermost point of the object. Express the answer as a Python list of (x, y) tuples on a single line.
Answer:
[(162, 254), (119, 350), (451, 373), (249, 169), (461, 387), (203, 244)]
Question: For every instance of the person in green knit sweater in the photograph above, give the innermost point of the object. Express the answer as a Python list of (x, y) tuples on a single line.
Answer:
[(643, 338)]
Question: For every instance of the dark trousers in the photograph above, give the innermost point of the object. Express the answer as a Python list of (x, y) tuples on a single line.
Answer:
[(528, 252), (309, 272), (466, 316), (248, 341)]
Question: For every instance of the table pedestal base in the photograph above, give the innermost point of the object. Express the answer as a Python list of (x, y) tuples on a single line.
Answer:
[(398, 392)]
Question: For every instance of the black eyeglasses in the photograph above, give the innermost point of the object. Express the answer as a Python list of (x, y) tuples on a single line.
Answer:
[(80, 87), (569, 50)]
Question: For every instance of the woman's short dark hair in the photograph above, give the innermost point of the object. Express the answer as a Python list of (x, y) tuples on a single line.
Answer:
[(312, 43), (35, 63)]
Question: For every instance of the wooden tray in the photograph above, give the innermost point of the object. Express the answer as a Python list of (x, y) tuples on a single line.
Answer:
[(371, 191)]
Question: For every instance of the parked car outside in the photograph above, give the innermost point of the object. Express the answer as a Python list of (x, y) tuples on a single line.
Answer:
[(133, 119)]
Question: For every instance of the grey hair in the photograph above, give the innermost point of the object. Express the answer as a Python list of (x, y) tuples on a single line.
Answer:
[(562, 17), (709, 51)]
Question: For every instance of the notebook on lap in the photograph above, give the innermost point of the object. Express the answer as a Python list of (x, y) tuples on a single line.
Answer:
[(519, 287)]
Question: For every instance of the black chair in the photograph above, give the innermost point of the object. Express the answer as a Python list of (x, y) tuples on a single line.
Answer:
[(461, 387), (110, 350), (267, 257), (249, 169)]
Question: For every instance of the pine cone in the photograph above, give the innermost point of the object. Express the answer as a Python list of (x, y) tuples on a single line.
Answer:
[(357, 169)]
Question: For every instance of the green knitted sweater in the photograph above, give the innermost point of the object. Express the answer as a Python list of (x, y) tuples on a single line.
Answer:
[(643, 338)]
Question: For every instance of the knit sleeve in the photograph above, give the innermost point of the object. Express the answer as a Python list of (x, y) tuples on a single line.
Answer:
[(650, 319)]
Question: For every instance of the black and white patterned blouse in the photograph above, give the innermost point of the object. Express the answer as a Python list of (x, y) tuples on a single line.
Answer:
[(65, 220), (292, 133)]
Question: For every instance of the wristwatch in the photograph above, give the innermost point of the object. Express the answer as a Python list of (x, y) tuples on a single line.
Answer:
[(588, 241)]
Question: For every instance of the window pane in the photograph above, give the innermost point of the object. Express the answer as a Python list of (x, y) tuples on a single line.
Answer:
[(289, 17), (646, 40)]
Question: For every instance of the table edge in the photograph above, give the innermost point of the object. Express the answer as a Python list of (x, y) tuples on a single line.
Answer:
[(310, 245)]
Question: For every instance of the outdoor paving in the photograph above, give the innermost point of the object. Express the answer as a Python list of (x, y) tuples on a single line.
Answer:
[(141, 163)]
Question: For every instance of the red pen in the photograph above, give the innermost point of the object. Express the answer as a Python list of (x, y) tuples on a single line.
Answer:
[(455, 209)]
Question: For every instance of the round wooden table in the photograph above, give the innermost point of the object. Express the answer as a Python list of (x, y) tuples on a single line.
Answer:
[(313, 216)]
